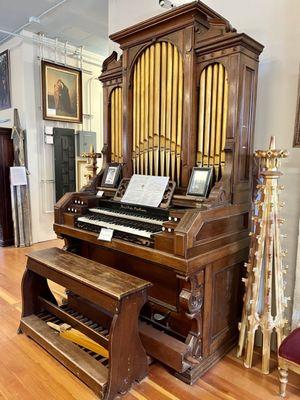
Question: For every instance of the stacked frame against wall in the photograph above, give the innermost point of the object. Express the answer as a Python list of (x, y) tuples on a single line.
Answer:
[(157, 111), (116, 125), (212, 122)]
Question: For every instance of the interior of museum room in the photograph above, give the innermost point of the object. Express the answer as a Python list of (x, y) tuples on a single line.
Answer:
[(150, 199)]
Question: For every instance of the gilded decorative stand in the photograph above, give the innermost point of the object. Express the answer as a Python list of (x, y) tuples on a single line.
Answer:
[(264, 300), (91, 163)]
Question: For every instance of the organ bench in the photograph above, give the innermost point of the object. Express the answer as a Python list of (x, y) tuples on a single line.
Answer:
[(116, 299)]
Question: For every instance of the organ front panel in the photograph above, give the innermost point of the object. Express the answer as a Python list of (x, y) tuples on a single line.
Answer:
[(181, 95)]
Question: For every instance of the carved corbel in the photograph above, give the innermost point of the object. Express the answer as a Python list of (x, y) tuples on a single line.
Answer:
[(191, 301)]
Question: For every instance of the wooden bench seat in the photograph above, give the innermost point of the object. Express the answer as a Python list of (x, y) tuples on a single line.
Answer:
[(118, 294)]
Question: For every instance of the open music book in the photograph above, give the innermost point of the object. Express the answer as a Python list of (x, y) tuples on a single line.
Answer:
[(145, 190)]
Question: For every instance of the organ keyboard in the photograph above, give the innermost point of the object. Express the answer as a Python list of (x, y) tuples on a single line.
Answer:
[(183, 94), (127, 221)]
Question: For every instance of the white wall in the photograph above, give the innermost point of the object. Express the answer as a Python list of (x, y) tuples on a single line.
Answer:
[(276, 25), (26, 97)]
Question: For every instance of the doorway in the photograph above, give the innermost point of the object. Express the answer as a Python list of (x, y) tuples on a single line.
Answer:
[(6, 161)]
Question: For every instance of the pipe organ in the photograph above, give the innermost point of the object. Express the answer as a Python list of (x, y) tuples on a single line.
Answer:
[(181, 95)]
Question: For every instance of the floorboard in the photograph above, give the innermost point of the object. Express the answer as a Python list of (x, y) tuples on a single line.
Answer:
[(27, 372)]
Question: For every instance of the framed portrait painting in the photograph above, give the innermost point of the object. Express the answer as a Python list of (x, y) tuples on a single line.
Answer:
[(200, 181), (5, 101), (62, 93), (111, 175)]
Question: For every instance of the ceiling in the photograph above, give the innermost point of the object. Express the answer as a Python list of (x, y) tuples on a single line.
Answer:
[(80, 22)]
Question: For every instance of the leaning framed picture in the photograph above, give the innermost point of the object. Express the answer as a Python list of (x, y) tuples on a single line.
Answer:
[(200, 181), (62, 93), (111, 176), (5, 101)]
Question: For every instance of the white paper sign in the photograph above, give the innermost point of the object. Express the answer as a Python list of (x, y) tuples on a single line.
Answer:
[(49, 130), (100, 193), (48, 139), (106, 234), (51, 112), (18, 176), (145, 190)]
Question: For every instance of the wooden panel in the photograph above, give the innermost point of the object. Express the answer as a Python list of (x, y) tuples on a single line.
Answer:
[(166, 285), (6, 161), (223, 226), (226, 298), (163, 347)]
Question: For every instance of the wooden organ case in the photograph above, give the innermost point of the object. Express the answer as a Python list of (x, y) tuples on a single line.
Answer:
[(182, 94)]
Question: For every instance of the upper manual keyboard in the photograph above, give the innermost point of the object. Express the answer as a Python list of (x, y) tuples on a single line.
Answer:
[(127, 221)]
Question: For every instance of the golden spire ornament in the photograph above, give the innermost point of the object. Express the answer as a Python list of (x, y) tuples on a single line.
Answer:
[(264, 300)]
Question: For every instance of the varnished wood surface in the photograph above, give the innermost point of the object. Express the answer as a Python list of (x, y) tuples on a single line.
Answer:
[(106, 280), (29, 373)]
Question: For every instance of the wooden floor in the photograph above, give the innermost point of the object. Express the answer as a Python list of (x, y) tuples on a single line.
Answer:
[(27, 372)]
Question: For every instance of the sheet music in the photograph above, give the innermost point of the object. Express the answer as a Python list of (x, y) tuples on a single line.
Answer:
[(145, 190), (18, 176)]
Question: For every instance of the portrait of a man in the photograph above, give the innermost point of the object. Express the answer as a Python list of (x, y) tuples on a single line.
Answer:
[(62, 100)]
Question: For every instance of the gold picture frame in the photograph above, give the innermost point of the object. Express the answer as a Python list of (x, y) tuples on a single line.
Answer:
[(62, 93)]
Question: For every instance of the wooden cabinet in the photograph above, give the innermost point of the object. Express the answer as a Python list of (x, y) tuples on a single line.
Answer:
[(6, 161)]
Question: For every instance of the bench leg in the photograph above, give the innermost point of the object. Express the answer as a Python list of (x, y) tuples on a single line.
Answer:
[(283, 378), (33, 286), (128, 359)]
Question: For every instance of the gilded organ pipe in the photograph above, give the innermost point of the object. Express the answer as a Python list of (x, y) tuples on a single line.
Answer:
[(169, 107), (212, 117), (157, 75), (146, 104), (201, 118), (163, 99), (157, 109), (112, 124), (219, 121), (207, 116), (138, 115), (120, 115), (179, 120), (224, 126), (134, 121), (174, 121), (116, 125), (151, 108)]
